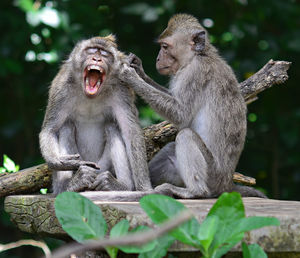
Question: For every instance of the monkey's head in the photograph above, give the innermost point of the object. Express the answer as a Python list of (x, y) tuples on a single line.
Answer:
[(92, 61), (182, 40)]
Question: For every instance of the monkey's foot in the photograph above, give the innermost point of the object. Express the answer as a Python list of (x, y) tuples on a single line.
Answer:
[(105, 181)]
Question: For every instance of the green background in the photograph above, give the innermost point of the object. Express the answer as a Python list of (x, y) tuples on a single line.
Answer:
[(36, 36)]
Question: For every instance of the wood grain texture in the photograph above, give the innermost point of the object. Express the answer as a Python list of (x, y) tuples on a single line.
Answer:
[(35, 214)]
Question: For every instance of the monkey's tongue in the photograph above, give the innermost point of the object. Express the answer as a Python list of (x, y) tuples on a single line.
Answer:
[(94, 77), (93, 81)]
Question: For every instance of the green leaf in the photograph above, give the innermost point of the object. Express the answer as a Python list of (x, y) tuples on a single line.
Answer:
[(227, 245), (118, 230), (139, 249), (43, 190), (250, 223), (9, 164), (253, 251), (79, 217), (26, 5), (207, 231), (161, 249), (112, 251), (161, 208), (228, 208), (2, 170)]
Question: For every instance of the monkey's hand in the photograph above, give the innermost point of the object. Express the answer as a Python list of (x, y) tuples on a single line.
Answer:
[(128, 75), (136, 63), (105, 181), (83, 179), (70, 162)]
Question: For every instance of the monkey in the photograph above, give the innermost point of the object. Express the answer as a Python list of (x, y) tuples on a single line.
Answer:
[(90, 135), (204, 102)]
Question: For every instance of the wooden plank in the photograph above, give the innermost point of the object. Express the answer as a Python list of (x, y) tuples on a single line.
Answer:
[(35, 214)]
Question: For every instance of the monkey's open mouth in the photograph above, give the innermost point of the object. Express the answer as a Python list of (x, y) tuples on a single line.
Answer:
[(94, 76)]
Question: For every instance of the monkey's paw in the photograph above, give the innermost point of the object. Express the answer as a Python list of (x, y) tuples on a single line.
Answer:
[(83, 179), (70, 162), (105, 181), (127, 74), (136, 63), (163, 189)]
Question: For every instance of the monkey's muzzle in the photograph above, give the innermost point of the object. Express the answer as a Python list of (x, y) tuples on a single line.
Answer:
[(94, 76)]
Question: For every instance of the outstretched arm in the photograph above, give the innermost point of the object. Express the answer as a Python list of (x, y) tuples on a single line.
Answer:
[(165, 104), (136, 63)]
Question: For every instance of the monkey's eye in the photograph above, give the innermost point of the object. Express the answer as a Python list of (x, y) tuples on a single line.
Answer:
[(164, 46), (104, 53), (91, 50)]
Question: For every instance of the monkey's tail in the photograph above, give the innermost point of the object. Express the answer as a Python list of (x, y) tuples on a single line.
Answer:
[(247, 191)]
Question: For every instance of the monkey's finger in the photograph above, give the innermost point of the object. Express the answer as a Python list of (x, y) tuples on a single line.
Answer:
[(89, 164), (71, 156)]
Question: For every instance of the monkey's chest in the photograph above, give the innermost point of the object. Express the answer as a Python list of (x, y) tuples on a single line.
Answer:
[(90, 139)]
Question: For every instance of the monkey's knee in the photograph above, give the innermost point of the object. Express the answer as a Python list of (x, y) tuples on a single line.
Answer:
[(184, 135)]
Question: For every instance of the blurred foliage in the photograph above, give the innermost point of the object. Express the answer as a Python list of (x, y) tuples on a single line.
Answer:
[(38, 35)]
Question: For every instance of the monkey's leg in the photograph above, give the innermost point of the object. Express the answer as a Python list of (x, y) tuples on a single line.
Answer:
[(194, 162), (163, 167), (67, 147), (122, 181)]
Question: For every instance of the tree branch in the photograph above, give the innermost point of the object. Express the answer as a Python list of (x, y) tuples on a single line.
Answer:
[(137, 239), (20, 243)]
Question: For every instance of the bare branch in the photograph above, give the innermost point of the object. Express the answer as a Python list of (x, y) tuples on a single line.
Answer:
[(131, 240), (39, 244)]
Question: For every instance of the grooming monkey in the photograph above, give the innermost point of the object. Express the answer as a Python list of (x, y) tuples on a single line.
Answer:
[(90, 135), (204, 101)]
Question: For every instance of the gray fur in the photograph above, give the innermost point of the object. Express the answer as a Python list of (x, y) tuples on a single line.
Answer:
[(205, 103), (82, 138)]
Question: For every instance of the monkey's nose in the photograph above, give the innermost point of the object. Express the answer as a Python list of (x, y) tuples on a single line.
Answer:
[(97, 58)]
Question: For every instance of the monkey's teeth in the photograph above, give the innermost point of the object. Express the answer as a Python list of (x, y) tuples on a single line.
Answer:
[(95, 67)]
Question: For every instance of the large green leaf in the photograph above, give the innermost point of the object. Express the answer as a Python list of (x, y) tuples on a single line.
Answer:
[(253, 251), (161, 208), (250, 223), (139, 249), (207, 231), (229, 209), (120, 229), (79, 217)]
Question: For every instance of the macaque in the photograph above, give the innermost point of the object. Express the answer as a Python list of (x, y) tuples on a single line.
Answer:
[(91, 136), (205, 103)]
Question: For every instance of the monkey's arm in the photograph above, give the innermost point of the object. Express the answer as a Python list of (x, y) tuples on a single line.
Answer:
[(57, 113), (165, 104), (136, 63)]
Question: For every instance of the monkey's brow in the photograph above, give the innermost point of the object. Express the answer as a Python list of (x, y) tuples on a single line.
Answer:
[(100, 42)]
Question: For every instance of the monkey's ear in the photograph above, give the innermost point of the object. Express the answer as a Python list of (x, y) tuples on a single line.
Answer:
[(198, 41)]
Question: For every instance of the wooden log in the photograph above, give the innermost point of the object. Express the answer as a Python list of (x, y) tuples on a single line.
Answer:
[(27, 180), (32, 179), (156, 136), (35, 214)]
